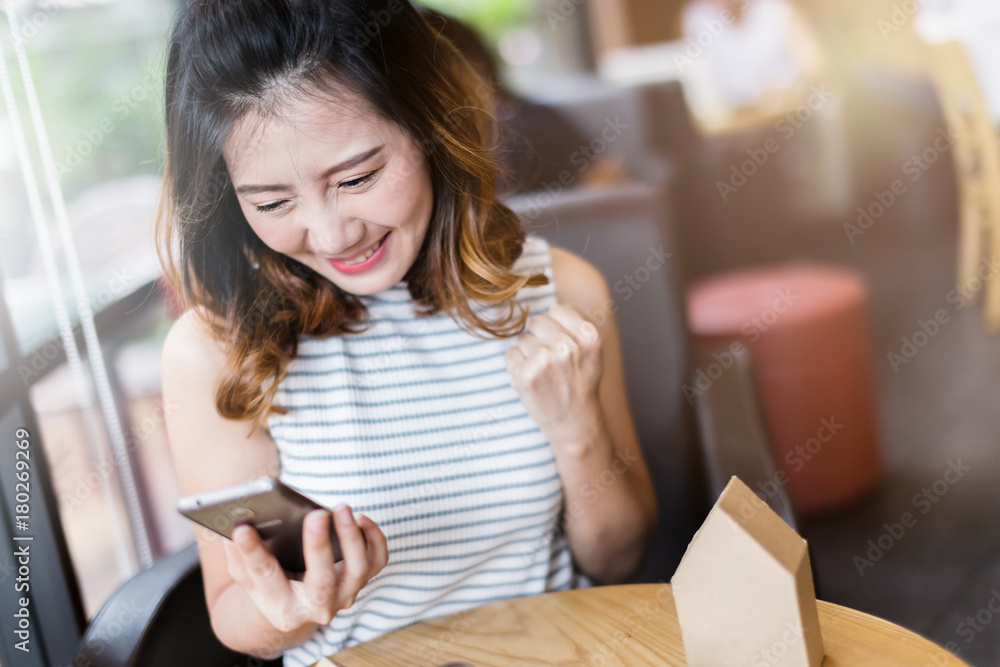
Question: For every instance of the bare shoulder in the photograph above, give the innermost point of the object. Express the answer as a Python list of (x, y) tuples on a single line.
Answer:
[(209, 450), (578, 283), (190, 341)]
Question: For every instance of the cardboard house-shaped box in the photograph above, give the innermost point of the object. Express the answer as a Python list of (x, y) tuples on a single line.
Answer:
[(744, 590)]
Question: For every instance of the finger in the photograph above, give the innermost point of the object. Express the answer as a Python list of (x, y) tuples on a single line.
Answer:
[(529, 344), (320, 579), (263, 570), (515, 366), (355, 551), (556, 337), (234, 559), (546, 328), (576, 325), (378, 548), (525, 368), (514, 358)]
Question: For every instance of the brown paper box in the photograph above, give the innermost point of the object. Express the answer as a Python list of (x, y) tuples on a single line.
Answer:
[(744, 589)]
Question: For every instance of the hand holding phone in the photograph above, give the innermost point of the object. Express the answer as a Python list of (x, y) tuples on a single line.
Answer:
[(325, 587), (275, 510)]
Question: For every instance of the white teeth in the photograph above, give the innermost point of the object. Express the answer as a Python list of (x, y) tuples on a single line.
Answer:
[(366, 256)]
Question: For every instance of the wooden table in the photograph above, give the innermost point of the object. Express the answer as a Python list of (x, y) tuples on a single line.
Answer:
[(612, 626)]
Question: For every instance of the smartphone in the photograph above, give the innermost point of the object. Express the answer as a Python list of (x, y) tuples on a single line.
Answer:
[(267, 504)]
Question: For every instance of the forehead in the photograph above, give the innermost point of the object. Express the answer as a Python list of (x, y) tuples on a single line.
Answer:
[(308, 131)]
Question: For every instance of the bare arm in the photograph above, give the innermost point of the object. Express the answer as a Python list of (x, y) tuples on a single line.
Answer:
[(610, 503), (254, 607)]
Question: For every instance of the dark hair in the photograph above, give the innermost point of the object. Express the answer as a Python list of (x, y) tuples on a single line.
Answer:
[(230, 57)]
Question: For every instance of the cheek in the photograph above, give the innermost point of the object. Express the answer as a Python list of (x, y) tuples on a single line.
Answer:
[(411, 195), (273, 236)]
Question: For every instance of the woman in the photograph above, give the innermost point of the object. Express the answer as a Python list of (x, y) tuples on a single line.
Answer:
[(357, 303)]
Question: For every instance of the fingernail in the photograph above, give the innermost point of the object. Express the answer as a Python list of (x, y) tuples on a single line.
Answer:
[(359, 516), (344, 515)]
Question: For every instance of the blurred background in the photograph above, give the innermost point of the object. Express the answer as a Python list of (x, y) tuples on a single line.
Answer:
[(760, 137)]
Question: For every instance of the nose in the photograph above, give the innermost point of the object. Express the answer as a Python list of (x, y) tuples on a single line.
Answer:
[(331, 231)]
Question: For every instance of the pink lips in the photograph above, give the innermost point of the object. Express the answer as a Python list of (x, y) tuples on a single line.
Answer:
[(365, 265)]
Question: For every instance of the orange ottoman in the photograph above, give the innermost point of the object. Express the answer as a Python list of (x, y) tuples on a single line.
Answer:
[(807, 329)]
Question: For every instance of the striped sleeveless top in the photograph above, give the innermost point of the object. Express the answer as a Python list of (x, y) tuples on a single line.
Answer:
[(414, 423)]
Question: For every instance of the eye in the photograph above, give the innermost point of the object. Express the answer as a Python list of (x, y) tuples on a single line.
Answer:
[(358, 182), (273, 206)]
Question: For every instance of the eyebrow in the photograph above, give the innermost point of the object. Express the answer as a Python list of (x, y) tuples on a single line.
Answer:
[(343, 166)]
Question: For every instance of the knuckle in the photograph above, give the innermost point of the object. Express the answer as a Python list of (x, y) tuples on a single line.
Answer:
[(322, 591), (356, 571), (283, 623), (544, 357), (589, 333), (569, 346), (266, 570)]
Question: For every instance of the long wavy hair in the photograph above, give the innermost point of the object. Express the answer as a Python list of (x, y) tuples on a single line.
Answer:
[(228, 58)]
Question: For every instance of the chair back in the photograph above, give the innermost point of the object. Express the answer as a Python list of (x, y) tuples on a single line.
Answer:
[(159, 618)]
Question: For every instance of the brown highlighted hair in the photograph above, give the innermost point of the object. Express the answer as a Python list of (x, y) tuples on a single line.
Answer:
[(228, 58)]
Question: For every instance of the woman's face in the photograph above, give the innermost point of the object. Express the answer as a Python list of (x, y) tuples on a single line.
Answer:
[(328, 183)]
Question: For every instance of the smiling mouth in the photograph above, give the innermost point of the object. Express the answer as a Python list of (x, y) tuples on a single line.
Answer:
[(358, 259)]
